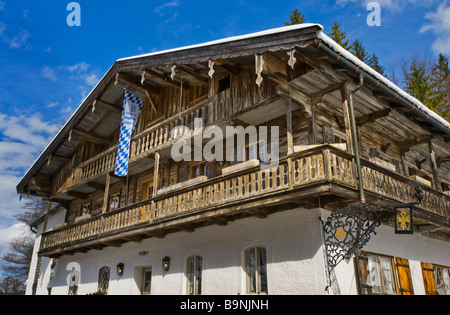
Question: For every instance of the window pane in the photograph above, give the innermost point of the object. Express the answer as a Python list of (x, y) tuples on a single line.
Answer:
[(447, 280), (190, 276), (262, 270), (103, 280), (250, 261), (439, 277), (147, 282), (388, 280), (199, 275), (374, 278)]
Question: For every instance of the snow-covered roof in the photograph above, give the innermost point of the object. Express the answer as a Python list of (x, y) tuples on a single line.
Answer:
[(364, 67)]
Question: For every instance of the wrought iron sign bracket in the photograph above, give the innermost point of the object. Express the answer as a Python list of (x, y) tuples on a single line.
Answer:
[(350, 229)]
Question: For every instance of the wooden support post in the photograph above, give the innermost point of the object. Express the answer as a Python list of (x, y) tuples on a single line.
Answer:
[(348, 128), (313, 124), (106, 196), (290, 139), (436, 180), (156, 173), (49, 206)]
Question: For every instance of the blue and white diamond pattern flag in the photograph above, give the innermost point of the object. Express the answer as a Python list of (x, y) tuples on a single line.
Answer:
[(132, 106)]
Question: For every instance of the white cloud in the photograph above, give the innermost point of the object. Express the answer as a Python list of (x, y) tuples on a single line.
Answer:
[(84, 71), (22, 139), (2, 5), (29, 130), (166, 5), (7, 233), (19, 41), (49, 73), (440, 26)]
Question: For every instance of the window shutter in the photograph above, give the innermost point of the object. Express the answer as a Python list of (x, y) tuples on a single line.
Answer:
[(404, 277), (363, 274), (428, 279)]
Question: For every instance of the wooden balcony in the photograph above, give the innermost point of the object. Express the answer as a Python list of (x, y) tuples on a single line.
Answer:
[(321, 170)]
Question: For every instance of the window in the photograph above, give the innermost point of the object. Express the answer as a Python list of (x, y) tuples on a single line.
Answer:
[(114, 202), (256, 270), (103, 280), (378, 274), (147, 189), (436, 279), (194, 275), (86, 209), (147, 281), (199, 170)]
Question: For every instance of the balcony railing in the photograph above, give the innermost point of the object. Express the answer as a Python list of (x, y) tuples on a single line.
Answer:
[(319, 165)]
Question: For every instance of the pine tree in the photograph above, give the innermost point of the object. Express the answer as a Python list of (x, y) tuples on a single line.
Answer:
[(440, 86), (295, 17), (359, 51), (339, 36), (375, 64), (417, 83)]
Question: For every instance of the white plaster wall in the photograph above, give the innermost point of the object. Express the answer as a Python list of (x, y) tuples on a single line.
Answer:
[(292, 240), (416, 248), (44, 278)]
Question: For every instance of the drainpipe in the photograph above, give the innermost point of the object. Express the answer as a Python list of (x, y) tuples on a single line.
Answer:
[(355, 138)]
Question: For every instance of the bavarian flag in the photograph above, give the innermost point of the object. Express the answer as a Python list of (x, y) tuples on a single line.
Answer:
[(132, 106)]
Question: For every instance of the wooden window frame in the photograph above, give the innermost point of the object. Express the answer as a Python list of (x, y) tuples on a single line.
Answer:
[(104, 276), (194, 270), (429, 278), (400, 275), (144, 281), (87, 206), (260, 277), (118, 202)]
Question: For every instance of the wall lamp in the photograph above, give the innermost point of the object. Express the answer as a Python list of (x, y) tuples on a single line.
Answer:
[(166, 263), (120, 268)]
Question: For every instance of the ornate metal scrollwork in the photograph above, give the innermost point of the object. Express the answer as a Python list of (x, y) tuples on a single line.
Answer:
[(349, 229)]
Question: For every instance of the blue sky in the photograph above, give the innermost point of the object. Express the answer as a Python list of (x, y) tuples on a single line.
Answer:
[(47, 67)]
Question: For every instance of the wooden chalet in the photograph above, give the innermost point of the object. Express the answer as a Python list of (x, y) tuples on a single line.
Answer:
[(347, 135)]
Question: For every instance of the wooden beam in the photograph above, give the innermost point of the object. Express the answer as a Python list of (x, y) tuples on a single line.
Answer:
[(91, 137), (166, 78), (77, 194), (290, 137), (106, 195), (130, 80), (106, 105), (309, 61), (317, 96), (434, 168), (347, 123), (194, 74), (370, 118), (406, 146), (97, 186), (156, 174), (273, 65)]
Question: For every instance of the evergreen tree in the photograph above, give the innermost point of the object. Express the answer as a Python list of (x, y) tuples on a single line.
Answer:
[(417, 83), (339, 36), (375, 64), (440, 86), (295, 17), (359, 51)]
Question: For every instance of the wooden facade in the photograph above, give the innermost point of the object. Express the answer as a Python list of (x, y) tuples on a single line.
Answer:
[(304, 91)]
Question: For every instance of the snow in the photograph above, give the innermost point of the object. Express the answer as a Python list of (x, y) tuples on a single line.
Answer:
[(230, 39), (350, 57)]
